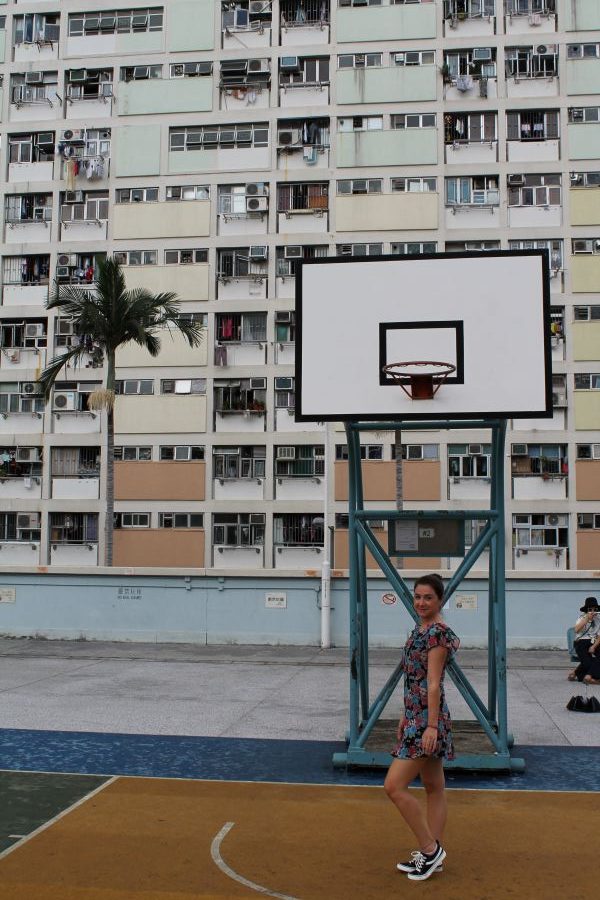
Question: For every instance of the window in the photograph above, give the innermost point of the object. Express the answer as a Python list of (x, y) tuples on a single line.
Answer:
[(190, 69), (16, 526), (588, 520), (180, 520), (585, 245), (586, 313), (587, 381), (413, 58), (359, 249), (136, 195), (465, 67), (536, 190), (297, 530), (477, 190), (241, 327), (285, 326), (305, 12), (303, 461), (136, 257), (93, 208), (414, 184), (285, 265), (32, 147), (583, 51), (239, 529), (312, 70), (188, 192), (584, 114), (242, 262), (133, 454), (182, 453), (123, 21), (359, 60), (469, 460), (360, 123), (245, 395), (185, 257), (285, 397), (539, 459), (28, 208), (89, 84), (414, 120), (532, 62), (532, 125), (239, 462), (135, 386), (132, 520), (36, 28), (417, 451), (541, 530), (469, 128), (302, 197), (360, 186), (585, 179), (75, 462), (140, 73), (25, 269), (209, 137), (367, 451), (588, 451), (468, 9), (411, 248), (183, 386), (73, 528), (554, 248)]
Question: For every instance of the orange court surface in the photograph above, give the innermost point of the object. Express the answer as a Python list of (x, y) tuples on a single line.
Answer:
[(170, 839)]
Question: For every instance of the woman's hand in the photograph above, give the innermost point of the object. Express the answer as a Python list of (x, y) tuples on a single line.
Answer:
[(429, 740)]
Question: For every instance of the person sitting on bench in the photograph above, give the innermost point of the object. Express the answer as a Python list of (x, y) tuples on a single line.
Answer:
[(587, 643)]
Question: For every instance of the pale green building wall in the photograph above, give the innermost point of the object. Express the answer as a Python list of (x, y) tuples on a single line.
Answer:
[(405, 147), (144, 42), (191, 24), (386, 23), (2, 44), (193, 161), (169, 95), (137, 150), (389, 85), (583, 76), (584, 141), (582, 15)]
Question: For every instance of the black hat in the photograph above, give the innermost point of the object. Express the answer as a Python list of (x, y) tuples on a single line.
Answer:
[(590, 603)]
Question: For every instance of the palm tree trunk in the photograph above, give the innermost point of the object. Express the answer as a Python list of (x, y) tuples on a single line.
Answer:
[(399, 471), (110, 465)]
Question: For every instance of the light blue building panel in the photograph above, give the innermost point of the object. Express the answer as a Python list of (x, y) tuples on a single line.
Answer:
[(191, 25), (395, 84), (137, 150), (386, 23), (584, 141)]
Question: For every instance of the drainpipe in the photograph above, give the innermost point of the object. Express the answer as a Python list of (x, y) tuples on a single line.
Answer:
[(326, 564)]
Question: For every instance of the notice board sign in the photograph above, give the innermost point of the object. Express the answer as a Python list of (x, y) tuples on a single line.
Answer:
[(429, 536)]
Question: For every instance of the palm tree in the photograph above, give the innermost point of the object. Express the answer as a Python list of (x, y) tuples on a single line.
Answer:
[(108, 316)]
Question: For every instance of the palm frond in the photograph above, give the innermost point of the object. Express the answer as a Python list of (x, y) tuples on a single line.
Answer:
[(53, 369)]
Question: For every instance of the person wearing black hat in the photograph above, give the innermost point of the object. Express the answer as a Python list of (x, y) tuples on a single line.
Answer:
[(587, 643)]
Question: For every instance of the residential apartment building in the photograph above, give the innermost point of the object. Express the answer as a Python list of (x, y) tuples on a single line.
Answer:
[(210, 146)]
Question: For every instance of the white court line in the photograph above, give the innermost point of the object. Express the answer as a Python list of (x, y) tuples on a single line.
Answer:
[(60, 815), (215, 852)]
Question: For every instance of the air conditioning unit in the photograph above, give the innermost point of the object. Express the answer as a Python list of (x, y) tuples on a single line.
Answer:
[(256, 204), (63, 272), (359, 60), (27, 520), (30, 387), (240, 18), (73, 196), (65, 400), (28, 454), (286, 453), (64, 326), (284, 384), (541, 49), (77, 75), (359, 186), (481, 54), (285, 316), (259, 252), (45, 139), (35, 330), (51, 32), (257, 518), (516, 180), (399, 58), (256, 7), (475, 449), (577, 114), (553, 519), (293, 252), (289, 64), (255, 189), (34, 77), (72, 134), (519, 449), (258, 384), (177, 70), (67, 259), (582, 247), (258, 65), (576, 178), (573, 51), (287, 137)]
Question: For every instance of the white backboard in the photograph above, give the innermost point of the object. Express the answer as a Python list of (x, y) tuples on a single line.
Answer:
[(486, 313)]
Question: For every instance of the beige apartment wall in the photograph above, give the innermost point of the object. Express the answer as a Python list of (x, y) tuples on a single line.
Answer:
[(585, 274), (421, 480), (585, 206), (189, 282), (160, 414), (587, 410), (160, 480), (587, 480), (159, 547), (588, 550), (586, 341), (174, 351), (186, 219), (387, 212)]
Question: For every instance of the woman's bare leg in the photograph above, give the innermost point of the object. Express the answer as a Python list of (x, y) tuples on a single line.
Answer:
[(399, 776), (432, 776)]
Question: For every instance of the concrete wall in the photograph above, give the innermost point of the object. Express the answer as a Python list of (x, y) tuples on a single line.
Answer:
[(386, 23), (174, 351), (587, 410), (176, 219), (171, 413), (403, 147), (167, 95), (588, 548), (226, 609), (421, 480), (159, 547), (585, 274), (582, 15), (387, 212), (585, 206), (191, 24), (137, 150), (393, 84), (587, 480), (586, 341), (169, 480)]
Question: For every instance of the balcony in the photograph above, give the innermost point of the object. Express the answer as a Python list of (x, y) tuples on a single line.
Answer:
[(298, 541), (26, 172), (28, 294), (30, 359), (540, 559), (244, 556), (40, 102), (303, 94), (532, 19), (303, 22), (29, 230), (466, 18), (539, 487), (20, 487), (74, 554), (180, 548), (240, 353), (302, 208), (76, 421), (248, 420), (243, 287), (285, 422), (76, 487), (20, 553)]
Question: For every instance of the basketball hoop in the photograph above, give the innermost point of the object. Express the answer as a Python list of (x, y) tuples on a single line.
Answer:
[(425, 379)]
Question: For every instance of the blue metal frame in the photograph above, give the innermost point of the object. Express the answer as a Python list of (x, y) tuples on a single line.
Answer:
[(491, 716)]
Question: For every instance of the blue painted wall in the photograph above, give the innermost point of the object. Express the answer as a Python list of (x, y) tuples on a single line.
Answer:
[(211, 610)]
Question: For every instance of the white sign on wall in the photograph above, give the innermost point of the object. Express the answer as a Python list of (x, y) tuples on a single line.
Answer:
[(8, 594), (465, 601), (276, 601)]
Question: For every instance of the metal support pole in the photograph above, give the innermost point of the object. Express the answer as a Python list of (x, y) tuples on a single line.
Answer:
[(500, 598), (326, 565), (353, 477)]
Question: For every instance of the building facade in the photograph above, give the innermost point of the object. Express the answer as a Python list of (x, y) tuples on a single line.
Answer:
[(212, 145)]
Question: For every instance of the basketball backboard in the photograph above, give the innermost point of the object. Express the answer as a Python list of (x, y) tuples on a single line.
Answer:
[(487, 314)]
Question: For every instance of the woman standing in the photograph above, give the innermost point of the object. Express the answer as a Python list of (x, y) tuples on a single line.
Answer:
[(587, 642), (424, 734)]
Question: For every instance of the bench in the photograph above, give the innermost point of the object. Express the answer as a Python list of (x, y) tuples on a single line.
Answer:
[(571, 644)]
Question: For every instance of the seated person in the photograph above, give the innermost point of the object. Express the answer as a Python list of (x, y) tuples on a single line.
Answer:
[(587, 643)]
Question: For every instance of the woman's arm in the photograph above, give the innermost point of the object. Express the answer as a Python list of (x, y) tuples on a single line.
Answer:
[(436, 659), (581, 622)]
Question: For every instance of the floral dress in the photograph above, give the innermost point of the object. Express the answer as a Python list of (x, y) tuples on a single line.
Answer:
[(414, 722)]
